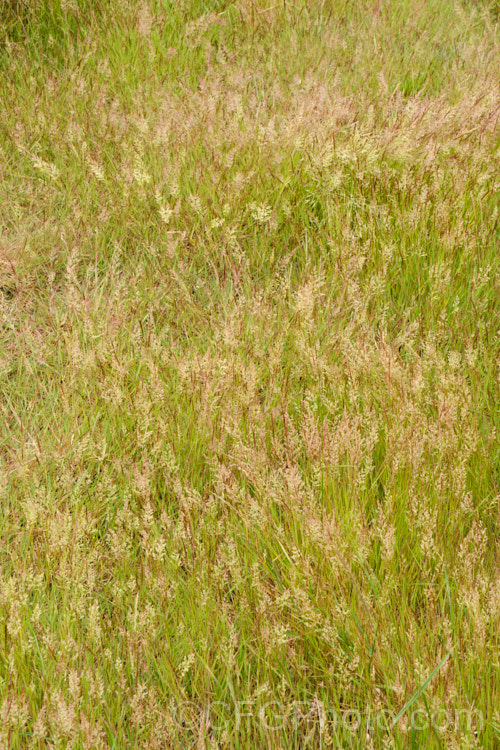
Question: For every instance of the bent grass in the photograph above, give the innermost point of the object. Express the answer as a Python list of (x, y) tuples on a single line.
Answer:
[(249, 361)]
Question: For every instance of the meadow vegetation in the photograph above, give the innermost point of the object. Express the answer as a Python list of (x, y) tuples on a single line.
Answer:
[(250, 372)]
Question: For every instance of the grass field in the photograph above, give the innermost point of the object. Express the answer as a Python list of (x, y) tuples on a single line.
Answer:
[(250, 374)]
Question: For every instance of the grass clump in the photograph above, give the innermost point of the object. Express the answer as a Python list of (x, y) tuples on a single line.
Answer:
[(249, 362)]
